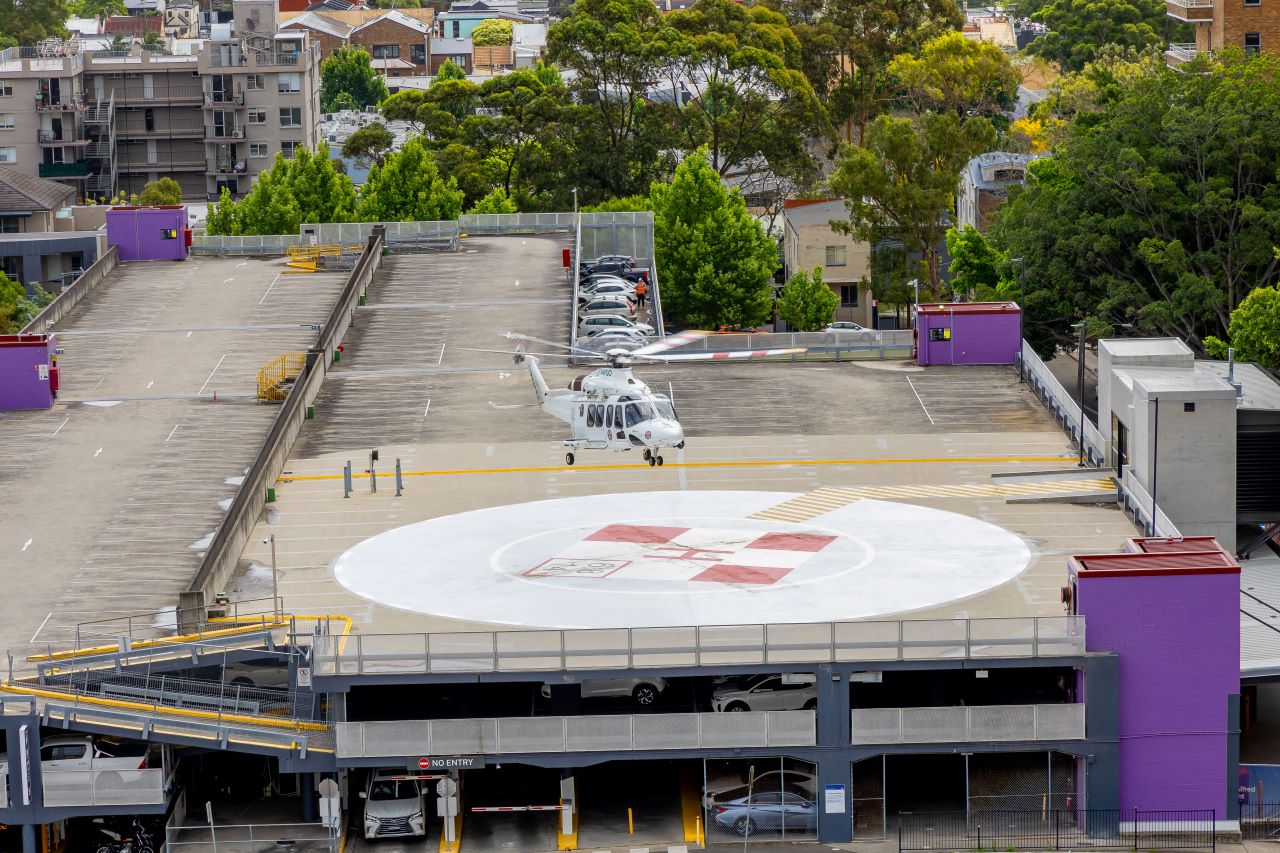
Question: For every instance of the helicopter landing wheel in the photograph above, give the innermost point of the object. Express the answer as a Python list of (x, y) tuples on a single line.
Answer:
[(659, 461), (653, 460), (568, 459), (647, 454)]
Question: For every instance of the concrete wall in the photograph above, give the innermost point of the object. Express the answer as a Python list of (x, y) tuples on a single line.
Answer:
[(975, 338), (22, 383), (1159, 352), (1178, 640)]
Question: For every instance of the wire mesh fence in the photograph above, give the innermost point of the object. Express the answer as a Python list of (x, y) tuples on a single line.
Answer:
[(1059, 829), (1260, 821)]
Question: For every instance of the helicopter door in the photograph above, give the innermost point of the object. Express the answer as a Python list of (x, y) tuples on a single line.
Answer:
[(613, 423), (595, 422)]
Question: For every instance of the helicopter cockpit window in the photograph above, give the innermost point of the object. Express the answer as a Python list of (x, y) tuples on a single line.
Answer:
[(638, 413), (665, 409)]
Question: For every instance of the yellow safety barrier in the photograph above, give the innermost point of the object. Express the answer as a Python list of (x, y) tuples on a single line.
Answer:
[(275, 380), (269, 624), (308, 258)]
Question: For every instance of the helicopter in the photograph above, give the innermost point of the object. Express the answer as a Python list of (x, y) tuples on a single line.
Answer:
[(609, 408)]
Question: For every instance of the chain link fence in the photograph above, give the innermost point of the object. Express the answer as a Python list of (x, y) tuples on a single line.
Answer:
[(868, 799), (1022, 781), (1059, 829)]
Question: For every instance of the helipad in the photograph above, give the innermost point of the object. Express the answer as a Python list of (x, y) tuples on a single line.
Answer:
[(679, 558)]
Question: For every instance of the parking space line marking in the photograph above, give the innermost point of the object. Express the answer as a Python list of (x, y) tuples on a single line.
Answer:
[(211, 372), (921, 402), (172, 431), (41, 628), (60, 426), (273, 284)]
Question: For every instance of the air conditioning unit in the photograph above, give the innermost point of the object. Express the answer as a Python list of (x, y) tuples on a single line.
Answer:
[(237, 134)]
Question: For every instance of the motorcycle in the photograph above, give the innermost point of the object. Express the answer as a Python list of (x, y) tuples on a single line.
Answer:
[(138, 841)]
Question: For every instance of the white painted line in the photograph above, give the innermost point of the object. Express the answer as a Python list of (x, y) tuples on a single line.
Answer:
[(428, 408), (273, 284), (95, 387), (172, 431), (152, 382), (921, 402), (225, 280), (27, 544), (188, 334), (243, 264), (41, 628), (95, 455), (441, 358), (60, 426), (219, 364)]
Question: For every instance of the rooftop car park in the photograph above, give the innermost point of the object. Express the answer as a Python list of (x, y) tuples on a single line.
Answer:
[(853, 577)]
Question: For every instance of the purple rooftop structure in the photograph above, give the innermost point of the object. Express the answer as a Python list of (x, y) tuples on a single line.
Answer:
[(28, 372), (149, 233), (968, 333)]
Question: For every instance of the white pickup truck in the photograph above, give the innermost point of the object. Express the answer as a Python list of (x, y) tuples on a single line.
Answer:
[(84, 752)]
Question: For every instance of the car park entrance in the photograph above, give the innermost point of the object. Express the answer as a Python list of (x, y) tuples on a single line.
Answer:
[(769, 798)]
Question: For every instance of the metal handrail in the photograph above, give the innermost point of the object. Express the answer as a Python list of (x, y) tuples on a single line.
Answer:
[(962, 717)]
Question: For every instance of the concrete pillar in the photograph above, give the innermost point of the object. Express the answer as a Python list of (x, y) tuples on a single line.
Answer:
[(1232, 811), (1102, 723), (307, 790), (29, 838), (834, 734)]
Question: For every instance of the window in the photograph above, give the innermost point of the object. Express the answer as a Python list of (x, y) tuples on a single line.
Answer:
[(8, 155), (418, 54), (6, 121), (10, 225), (835, 256), (291, 116), (457, 29), (6, 89), (257, 115), (386, 51), (257, 149), (1252, 2), (288, 148), (289, 82), (848, 296), (1188, 407), (1252, 44), (256, 82)]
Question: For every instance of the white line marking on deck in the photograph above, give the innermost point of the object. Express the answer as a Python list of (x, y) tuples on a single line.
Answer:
[(152, 382), (428, 408), (27, 544), (921, 402), (95, 455), (41, 628), (273, 284), (219, 364), (60, 426), (172, 431)]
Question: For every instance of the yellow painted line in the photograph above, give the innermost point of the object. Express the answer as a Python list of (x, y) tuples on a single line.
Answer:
[(265, 722), (762, 463), (167, 641)]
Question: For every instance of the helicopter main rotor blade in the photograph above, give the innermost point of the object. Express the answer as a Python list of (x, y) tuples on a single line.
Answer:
[(521, 352), (670, 342), (516, 336), (721, 356)]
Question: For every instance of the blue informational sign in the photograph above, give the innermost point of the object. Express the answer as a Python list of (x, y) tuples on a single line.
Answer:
[(833, 800), (1259, 783)]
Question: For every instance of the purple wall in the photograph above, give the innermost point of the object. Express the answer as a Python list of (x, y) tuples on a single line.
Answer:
[(20, 384), (1178, 641), (975, 338), (140, 232)]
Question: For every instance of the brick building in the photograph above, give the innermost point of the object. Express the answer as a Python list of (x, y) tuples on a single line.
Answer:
[(1252, 25), (397, 42), (329, 34)]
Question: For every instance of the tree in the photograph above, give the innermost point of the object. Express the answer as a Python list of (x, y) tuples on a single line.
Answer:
[(406, 187), (900, 183), (522, 144), (1160, 205), (305, 188), (807, 303), (29, 21), (495, 202), (99, 8), (152, 40), (959, 75), (369, 143), (449, 70), (349, 69), (16, 308), (716, 261), (343, 101), (1255, 329), (625, 203), (975, 265), (492, 32), (161, 191), (1079, 29)]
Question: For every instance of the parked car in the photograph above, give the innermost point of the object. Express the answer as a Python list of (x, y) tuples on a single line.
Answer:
[(645, 691), (393, 807), (609, 266), (610, 340), (596, 280), (618, 290), (732, 787), (608, 259), (740, 330), (617, 305), (847, 327), (85, 752), (770, 812), (775, 692), (591, 326)]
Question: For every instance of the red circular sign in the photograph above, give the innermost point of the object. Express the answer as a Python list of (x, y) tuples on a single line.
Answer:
[(424, 763)]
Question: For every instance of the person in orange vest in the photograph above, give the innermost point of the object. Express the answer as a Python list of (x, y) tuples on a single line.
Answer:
[(641, 290)]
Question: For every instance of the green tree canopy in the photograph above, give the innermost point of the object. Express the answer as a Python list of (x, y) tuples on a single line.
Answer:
[(900, 183), (96, 8), (715, 260), (406, 187), (807, 303), (956, 74), (495, 202), (1255, 329), (449, 70), (1160, 205), (26, 22), (16, 308), (305, 188), (348, 69), (492, 32), (975, 266), (625, 203), (161, 191), (1078, 30), (370, 143)]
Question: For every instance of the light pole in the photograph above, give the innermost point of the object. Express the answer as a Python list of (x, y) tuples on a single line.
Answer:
[(1022, 286), (275, 589), (1155, 460), (915, 307), (575, 200), (1080, 384)]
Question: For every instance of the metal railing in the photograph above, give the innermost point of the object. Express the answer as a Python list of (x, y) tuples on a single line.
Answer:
[(1061, 404), (964, 724), (1184, 52), (1059, 829), (698, 646), (1138, 504), (514, 735), (104, 787), (1260, 821), (257, 244), (250, 838)]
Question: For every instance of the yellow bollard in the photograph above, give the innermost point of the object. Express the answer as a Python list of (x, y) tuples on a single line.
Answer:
[(631, 824), (697, 829)]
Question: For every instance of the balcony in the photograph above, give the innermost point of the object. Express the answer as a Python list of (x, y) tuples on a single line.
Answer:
[(64, 170), (507, 735), (176, 163), (160, 95), (222, 100), (222, 134), (1189, 10), (985, 723), (268, 59), (53, 137), (61, 103), (189, 130), (239, 167), (1177, 55)]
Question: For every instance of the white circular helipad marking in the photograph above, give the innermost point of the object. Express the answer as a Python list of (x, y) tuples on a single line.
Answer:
[(679, 558)]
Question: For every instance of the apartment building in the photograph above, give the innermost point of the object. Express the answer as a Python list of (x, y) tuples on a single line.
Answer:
[(1252, 25), (106, 121)]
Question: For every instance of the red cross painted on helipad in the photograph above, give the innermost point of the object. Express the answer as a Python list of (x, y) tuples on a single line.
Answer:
[(702, 554)]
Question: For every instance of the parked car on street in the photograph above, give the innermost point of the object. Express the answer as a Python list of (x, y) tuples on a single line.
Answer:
[(775, 692), (768, 812), (645, 691), (591, 326), (847, 327)]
